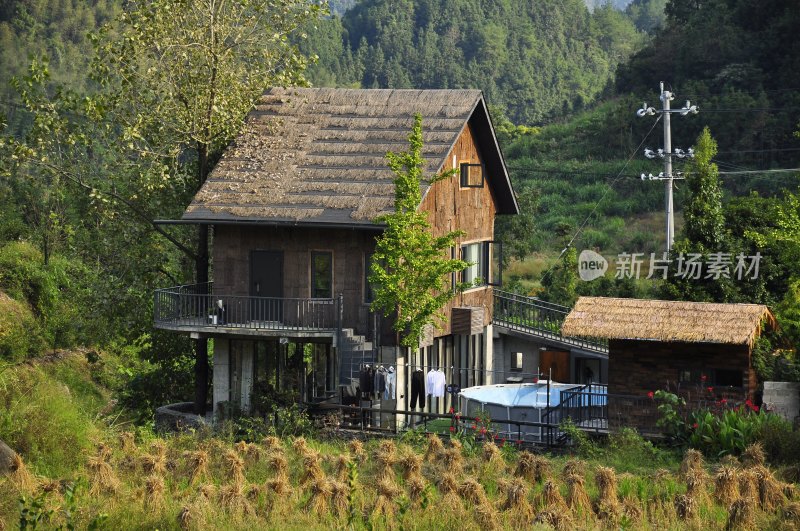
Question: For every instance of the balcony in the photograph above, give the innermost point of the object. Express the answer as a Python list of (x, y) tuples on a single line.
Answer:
[(197, 308)]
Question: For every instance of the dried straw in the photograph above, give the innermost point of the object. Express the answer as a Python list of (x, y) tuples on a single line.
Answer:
[(300, 445), (103, 478), (386, 457), (551, 498), (486, 516), (472, 491), (554, 519), (357, 450), (385, 505), (748, 485), (127, 442), (154, 492), (492, 454), (233, 499), (411, 463), (185, 517), (532, 467), (234, 468), (631, 509), (21, 477), (248, 450), (726, 485), (198, 465), (607, 505), (312, 469), (340, 491), (731, 461), (272, 443), (577, 497), (342, 466), (685, 506), (740, 515), (416, 487), (452, 460), (791, 514), (321, 493), (516, 499), (435, 447), (692, 461), (754, 455), (573, 467), (155, 463), (770, 491)]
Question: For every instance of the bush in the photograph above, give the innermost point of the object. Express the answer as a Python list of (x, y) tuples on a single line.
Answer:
[(20, 336)]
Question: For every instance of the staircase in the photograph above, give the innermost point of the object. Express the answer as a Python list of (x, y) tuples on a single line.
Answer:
[(354, 351)]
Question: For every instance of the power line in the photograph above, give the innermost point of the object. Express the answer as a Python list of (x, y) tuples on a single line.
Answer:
[(744, 172)]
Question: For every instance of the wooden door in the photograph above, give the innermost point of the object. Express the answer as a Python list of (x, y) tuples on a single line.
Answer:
[(556, 361), (266, 286)]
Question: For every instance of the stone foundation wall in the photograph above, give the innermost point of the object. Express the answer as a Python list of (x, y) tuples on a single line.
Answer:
[(783, 398)]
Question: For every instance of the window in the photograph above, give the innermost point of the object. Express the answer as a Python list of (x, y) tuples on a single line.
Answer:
[(486, 259), (321, 275), (728, 378), (471, 175), (516, 361)]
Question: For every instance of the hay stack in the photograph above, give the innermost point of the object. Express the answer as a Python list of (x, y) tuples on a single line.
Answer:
[(770, 491), (197, 462), (280, 482), (631, 509), (102, 476), (411, 463), (156, 461), (385, 505), (248, 451), (453, 460), (685, 506), (448, 487), (573, 467), (154, 492), (791, 514), (234, 468), (232, 498), (492, 454), (185, 517), (312, 468), (748, 484), (554, 519), (435, 447), (321, 493), (386, 457), (754, 455), (551, 498), (472, 492), (300, 445), (740, 515), (416, 488), (726, 485), (272, 443), (341, 466), (607, 505), (340, 491), (357, 450), (692, 461), (532, 467), (577, 497), (516, 499), (731, 461)]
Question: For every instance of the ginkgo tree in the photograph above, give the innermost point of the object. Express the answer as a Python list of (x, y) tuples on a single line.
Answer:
[(411, 267)]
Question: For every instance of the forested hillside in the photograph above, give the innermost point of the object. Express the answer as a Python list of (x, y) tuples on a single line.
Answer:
[(536, 60)]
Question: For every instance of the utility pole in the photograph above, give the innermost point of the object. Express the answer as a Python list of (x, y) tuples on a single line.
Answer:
[(666, 153)]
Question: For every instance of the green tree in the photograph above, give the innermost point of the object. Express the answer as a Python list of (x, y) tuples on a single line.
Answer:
[(561, 280), (703, 214), (410, 265)]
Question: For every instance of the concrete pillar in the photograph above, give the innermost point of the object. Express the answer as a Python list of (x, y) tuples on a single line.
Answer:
[(488, 353), (246, 364), (221, 376)]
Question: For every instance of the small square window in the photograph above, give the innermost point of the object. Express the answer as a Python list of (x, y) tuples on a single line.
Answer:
[(516, 361), (471, 175), (321, 275)]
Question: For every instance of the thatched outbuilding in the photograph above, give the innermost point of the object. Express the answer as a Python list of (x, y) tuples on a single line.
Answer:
[(684, 346)]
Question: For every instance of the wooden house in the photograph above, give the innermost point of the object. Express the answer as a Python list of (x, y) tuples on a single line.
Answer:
[(292, 205)]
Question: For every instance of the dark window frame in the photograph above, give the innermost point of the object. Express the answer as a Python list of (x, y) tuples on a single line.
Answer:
[(517, 356), (315, 291), (464, 175)]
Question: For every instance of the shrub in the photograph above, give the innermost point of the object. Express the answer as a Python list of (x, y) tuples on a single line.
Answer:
[(20, 336)]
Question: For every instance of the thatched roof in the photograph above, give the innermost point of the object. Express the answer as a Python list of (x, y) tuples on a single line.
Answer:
[(317, 156), (692, 322)]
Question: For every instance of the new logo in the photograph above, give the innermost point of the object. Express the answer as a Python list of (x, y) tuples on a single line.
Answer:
[(591, 265)]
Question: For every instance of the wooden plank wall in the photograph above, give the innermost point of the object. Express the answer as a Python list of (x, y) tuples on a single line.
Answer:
[(471, 210)]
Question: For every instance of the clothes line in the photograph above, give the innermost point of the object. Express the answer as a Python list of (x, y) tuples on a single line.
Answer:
[(452, 367)]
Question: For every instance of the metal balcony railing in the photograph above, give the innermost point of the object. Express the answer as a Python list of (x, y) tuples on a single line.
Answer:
[(198, 306)]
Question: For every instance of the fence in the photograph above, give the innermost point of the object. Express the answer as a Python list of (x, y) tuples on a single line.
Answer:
[(198, 306)]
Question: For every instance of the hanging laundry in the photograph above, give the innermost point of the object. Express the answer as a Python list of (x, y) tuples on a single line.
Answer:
[(436, 382), (417, 389), (389, 393), (380, 381)]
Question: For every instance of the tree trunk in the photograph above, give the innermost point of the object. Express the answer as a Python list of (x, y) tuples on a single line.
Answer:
[(201, 366)]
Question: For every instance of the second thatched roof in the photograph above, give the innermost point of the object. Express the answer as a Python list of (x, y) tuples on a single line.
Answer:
[(692, 322)]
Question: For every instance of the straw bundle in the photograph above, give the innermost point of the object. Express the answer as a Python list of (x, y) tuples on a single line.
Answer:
[(155, 463), (731, 461), (206, 493), (154, 492), (434, 448), (551, 498), (185, 518), (791, 514), (312, 468), (416, 487), (234, 467), (103, 479), (726, 485), (607, 505), (452, 460), (300, 445), (21, 477), (127, 442), (692, 461), (789, 491), (532, 467), (385, 504), (740, 515), (492, 454), (685, 506), (577, 497), (340, 491), (448, 487), (248, 450), (573, 467), (748, 485), (198, 465), (341, 466), (104, 451), (770, 491), (280, 483), (486, 516), (386, 457), (234, 501), (754, 455), (411, 463), (631, 509), (321, 493), (472, 492), (516, 499), (696, 485), (357, 450), (556, 520), (271, 443)]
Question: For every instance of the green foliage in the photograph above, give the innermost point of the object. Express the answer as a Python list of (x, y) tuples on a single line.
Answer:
[(583, 444), (410, 265), (20, 335), (704, 221), (560, 281), (536, 59)]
